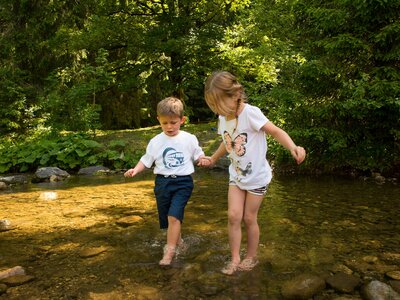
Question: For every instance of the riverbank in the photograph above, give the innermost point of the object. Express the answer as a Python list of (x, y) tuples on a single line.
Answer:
[(121, 149)]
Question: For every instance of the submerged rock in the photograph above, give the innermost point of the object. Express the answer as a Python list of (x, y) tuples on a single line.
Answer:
[(391, 257), (18, 270), (376, 290), (3, 185), (129, 221), (15, 179), (5, 225), (393, 275), (93, 170), (342, 282), (3, 288), (17, 280), (395, 284), (90, 252), (303, 287)]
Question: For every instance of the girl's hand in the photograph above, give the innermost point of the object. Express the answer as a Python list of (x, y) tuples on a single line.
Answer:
[(299, 154), (130, 173)]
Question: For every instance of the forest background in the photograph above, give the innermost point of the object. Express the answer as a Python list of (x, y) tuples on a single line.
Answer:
[(71, 71)]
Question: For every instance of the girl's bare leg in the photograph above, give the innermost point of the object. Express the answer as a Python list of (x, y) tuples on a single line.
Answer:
[(252, 205), (236, 200)]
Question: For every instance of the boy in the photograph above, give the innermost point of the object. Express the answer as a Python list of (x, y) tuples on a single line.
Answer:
[(173, 152)]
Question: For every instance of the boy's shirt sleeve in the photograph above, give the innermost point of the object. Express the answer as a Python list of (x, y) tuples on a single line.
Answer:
[(197, 152), (148, 158)]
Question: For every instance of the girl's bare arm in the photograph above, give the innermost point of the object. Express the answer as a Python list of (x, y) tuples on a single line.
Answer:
[(281, 136)]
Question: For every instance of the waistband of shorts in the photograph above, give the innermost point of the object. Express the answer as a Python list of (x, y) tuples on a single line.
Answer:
[(172, 176)]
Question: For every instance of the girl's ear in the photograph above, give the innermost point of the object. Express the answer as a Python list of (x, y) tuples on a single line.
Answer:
[(183, 119)]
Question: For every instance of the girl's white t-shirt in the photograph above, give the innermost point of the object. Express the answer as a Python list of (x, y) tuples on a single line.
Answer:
[(247, 148), (172, 155)]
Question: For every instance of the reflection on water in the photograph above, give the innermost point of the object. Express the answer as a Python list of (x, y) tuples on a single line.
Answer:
[(308, 225)]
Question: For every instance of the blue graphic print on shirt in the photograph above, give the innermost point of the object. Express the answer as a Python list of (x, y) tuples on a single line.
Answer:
[(172, 158)]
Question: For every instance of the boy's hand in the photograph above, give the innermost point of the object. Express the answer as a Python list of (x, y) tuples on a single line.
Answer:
[(130, 173), (299, 154)]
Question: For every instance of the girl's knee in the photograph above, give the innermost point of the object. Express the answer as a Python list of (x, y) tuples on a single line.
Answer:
[(234, 218), (250, 219)]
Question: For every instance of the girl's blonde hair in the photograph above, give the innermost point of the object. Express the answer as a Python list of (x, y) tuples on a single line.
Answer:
[(220, 86), (170, 106)]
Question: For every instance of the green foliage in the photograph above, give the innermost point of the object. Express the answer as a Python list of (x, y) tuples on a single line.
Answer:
[(13, 114), (69, 152), (316, 68), (71, 103), (349, 83)]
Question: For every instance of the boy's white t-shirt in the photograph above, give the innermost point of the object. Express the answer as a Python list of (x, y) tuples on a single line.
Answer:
[(172, 155), (247, 148)]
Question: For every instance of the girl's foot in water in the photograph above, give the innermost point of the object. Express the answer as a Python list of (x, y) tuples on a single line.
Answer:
[(230, 268), (248, 264)]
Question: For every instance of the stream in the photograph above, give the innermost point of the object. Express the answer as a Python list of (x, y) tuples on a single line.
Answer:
[(308, 225)]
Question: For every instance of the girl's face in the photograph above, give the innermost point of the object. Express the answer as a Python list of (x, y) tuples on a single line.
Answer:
[(229, 105), (171, 124)]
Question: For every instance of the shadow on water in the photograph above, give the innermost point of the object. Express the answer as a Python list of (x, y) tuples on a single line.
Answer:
[(308, 225)]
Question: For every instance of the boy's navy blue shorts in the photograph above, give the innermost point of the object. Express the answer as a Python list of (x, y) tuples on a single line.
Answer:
[(172, 194)]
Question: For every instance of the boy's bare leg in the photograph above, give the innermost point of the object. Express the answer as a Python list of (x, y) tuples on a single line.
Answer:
[(173, 237)]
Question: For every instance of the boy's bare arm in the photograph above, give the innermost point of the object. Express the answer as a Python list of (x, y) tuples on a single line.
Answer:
[(136, 170)]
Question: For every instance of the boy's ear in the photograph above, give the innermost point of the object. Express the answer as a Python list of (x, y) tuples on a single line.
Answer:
[(183, 119)]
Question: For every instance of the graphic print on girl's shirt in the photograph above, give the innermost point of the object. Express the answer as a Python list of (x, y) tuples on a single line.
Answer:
[(237, 146)]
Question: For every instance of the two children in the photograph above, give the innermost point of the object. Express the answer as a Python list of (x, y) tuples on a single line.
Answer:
[(242, 128)]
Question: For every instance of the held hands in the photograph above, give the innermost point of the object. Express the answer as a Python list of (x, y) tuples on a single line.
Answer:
[(205, 161), (299, 154)]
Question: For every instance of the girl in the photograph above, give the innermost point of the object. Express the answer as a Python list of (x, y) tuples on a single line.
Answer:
[(243, 128)]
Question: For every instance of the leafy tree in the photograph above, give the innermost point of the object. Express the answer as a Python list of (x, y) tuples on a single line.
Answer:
[(29, 54), (156, 49), (349, 82)]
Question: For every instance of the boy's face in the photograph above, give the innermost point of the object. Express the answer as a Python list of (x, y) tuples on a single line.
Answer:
[(171, 124)]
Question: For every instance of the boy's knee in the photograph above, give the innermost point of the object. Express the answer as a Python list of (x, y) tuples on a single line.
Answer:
[(172, 220)]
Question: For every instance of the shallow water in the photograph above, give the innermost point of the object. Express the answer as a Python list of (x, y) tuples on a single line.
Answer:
[(308, 225)]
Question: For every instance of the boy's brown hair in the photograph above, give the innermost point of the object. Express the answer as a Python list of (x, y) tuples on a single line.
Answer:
[(170, 106)]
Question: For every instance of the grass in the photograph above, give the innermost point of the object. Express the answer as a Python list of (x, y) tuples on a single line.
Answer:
[(136, 140)]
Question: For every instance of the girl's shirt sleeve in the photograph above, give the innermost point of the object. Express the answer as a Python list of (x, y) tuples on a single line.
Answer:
[(257, 118)]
